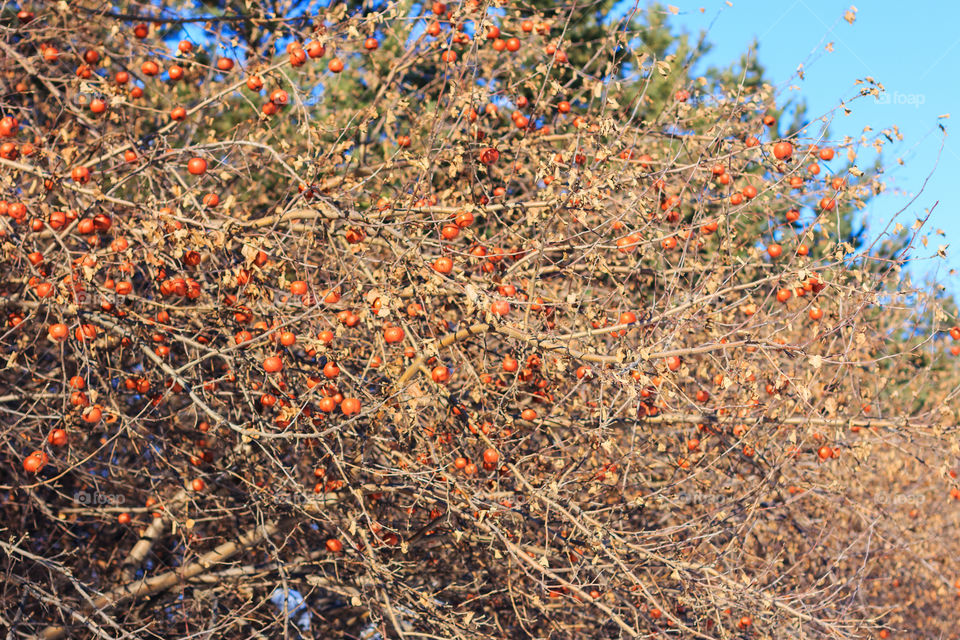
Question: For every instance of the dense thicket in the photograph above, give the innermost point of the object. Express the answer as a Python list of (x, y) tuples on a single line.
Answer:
[(486, 320)]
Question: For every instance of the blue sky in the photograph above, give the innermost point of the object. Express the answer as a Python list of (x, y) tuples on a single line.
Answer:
[(913, 49)]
